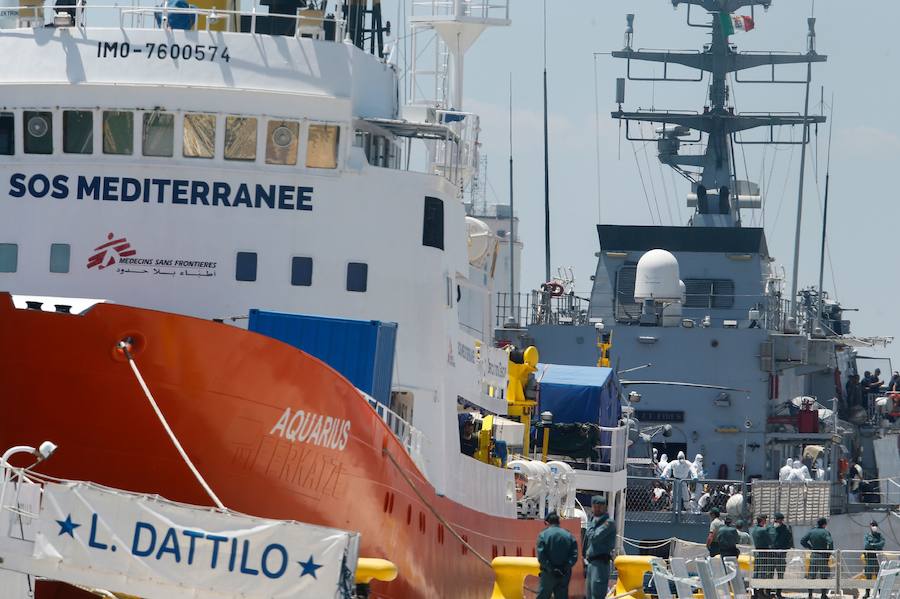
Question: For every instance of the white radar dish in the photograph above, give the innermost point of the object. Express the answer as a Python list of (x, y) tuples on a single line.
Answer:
[(658, 277), (479, 240)]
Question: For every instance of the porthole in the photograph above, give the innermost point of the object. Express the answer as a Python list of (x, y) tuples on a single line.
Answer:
[(282, 137), (38, 126)]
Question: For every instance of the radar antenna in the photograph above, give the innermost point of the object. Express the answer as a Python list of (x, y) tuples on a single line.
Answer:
[(716, 194)]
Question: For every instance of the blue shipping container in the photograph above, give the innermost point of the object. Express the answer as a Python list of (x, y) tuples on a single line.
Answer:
[(361, 350)]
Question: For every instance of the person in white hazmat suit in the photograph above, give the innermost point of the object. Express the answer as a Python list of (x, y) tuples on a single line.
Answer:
[(804, 472), (799, 473), (820, 470), (680, 470), (698, 474), (661, 464), (785, 473)]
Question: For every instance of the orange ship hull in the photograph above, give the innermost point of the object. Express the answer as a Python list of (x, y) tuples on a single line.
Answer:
[(223, 390)]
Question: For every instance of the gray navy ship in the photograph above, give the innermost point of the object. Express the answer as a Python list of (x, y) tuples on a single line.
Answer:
[(743, 368)]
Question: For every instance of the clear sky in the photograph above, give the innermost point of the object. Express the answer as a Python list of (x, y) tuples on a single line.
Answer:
[(865, 151)]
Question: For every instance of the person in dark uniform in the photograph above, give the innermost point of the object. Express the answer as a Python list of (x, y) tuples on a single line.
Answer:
[(761, 534), (818, 540), (715, 522), (557, 553), (468, 442), (599, 543), (874, 542), (728, 538), (782, 540)]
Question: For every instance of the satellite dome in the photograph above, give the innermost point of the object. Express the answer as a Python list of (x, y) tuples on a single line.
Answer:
[(658, 277), (479, 240)]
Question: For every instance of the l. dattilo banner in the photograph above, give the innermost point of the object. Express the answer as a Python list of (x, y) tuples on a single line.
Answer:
[(150, 547)]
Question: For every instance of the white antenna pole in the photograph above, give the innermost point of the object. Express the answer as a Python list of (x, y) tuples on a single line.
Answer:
[(796, 273), (512, 217)]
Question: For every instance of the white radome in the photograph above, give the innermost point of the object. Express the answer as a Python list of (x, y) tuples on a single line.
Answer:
[(479, 240), (658, 277)]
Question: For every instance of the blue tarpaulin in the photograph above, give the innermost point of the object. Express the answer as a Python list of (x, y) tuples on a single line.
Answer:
[(579, 394)]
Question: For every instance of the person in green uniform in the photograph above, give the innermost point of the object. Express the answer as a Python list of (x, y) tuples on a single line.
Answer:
[(599, 543), (782, 540), (818, 540), (874, 542), (761, 535), (727, 538), (557, 553), (714, 524)]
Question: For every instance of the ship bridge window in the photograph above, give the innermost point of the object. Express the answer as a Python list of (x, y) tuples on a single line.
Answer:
[(433, 223), (281, 142), (118, 132), (38, 132), (78, 132), (199, 135), (709, 293), (7, 134), (158, 138), (322, 146), (245, 266), (379, 150), (240, 138), (301, 271), (627, 310), (59, 257), (9, 257), (357, 276)]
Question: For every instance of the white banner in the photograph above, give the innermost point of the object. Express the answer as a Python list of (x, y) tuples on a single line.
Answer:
[(148, 543)]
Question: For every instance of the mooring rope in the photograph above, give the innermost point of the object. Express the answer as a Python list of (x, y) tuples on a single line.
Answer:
[(162, 419), (434, 511), (440, 518)]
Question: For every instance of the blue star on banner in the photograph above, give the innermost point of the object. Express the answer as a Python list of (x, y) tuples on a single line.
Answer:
[(67, 527), (309, 567)]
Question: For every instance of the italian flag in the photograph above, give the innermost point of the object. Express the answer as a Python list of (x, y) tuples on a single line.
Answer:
[(732, 23)]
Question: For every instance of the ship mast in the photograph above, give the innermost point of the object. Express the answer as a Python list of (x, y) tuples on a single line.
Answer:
[(716, 193)]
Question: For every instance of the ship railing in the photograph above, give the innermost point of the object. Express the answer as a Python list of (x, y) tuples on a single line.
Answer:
[(472, 9), (541, 308), (308, 23), (877, 493), (456, 157), (807, 570), (688, 501), (610, 451), (409, 436), (882, 408)]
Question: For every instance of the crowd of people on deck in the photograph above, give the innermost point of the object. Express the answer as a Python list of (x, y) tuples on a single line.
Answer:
[(772, 541), (685, 480), (865, 392)]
